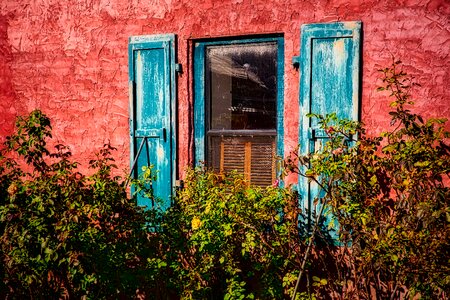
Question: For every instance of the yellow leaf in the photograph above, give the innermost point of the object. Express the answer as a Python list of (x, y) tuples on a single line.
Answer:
[(195, 223)]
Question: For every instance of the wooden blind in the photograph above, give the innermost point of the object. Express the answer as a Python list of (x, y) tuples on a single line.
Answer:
[(253, 156)]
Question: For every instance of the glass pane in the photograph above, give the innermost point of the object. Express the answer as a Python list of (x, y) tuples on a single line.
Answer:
[(241, 86)]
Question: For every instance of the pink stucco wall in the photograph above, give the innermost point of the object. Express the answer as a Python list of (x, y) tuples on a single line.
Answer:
[(69, 58)]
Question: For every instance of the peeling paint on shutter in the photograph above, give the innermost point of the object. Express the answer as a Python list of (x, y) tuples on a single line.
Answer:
[(152, 111), (329, 83)]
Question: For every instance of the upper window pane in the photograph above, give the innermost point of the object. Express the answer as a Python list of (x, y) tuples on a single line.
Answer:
[(241, 86)]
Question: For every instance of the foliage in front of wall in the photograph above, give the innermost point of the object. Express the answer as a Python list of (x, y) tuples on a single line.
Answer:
[(224, 239), (231, 241), (67, 235), (64, 234), (390, 195)]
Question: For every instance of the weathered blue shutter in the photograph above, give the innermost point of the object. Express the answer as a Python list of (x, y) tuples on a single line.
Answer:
[(152, 111), (329, 83)]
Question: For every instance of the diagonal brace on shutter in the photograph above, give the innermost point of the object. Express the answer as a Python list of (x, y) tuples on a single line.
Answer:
[(133, 165), (145, 134)]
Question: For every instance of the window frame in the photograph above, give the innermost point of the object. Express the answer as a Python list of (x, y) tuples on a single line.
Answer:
[(200, 107)]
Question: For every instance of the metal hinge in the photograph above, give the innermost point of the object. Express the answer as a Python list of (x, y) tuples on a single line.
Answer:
[(296, 61), (178, 68)]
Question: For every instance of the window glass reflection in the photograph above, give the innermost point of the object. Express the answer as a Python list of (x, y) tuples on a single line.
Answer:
[(241, 86)]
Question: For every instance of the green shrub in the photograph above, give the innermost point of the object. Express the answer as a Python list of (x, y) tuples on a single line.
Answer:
[(390, 195), (63, 233), (231, 241)]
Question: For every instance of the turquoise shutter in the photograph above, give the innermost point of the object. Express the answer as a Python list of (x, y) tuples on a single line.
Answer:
[(152, 111), (329, 82)]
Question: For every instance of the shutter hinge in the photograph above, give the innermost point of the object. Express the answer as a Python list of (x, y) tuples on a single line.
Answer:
[(317, 133), (179, 184), (296, 62), (178, 68), (130, 121)]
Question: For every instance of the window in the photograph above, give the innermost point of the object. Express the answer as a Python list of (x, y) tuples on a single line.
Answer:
[(238, 101), (238, 106)]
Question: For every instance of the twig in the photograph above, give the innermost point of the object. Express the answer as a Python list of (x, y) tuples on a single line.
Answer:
[(308, 249)]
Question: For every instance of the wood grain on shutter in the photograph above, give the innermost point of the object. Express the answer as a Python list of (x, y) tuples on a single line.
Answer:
[(152, 114), (329, 83)]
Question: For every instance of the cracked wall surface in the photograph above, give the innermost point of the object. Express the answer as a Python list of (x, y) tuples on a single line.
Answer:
[(69, 58)]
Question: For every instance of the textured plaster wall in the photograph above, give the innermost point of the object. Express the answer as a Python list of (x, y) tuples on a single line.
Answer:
[(7, 94), (69, 58)]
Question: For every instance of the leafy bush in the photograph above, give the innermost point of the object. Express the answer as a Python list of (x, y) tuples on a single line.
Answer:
[(390, 195), (231, 241), (63, 233)]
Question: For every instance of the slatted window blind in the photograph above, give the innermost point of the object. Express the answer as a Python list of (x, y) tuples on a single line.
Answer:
[(249, 155)]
